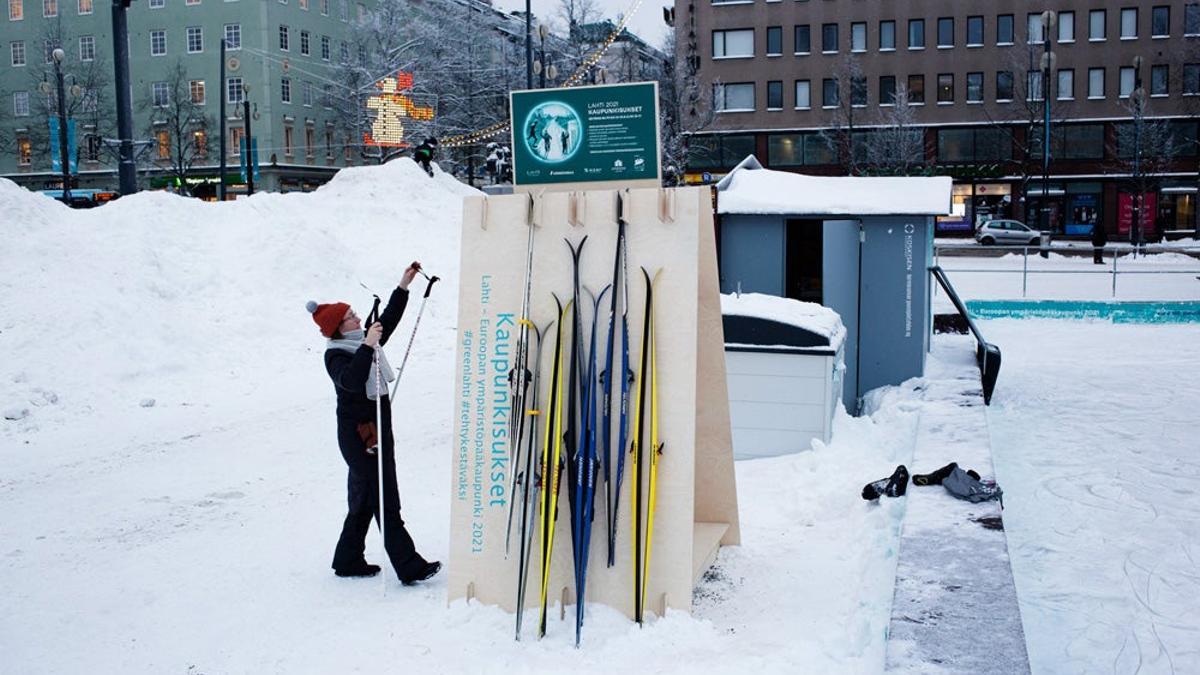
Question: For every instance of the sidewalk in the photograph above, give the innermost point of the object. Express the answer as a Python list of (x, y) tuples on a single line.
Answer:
[(955, 604)]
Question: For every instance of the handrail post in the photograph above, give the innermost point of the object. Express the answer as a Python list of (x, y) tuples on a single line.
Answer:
[(1024, 272), (1114, 272)]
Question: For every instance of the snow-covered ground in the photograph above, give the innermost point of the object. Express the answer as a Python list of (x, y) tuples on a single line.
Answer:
[(1094, 435), (172, 490)]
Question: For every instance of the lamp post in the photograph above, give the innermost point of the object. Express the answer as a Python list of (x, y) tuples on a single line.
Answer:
[(127, 169), (58, 55), (540, 66), (249, 140), (528, 46), (1049, 18), (221, 165), (1138, 97)]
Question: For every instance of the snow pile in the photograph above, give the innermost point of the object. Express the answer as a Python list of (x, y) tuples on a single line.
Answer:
[(807, 315), (751, 189), (172, 488)]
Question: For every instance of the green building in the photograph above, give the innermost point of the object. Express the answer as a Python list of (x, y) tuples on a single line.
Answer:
[(282, 56)]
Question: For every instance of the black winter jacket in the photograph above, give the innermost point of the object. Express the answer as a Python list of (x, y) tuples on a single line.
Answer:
[(349, 373)]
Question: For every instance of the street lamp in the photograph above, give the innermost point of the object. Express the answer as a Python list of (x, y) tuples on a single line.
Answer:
[(1049, 19), (58, 55), (1138, 97), (249, 140), (540, 66)]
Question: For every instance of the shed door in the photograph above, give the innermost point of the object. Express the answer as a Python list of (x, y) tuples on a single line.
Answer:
[(804, 251)]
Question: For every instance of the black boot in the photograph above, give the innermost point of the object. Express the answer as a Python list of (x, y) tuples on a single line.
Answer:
[(894, 485), (363, 569), (936, 477), (427, 572)]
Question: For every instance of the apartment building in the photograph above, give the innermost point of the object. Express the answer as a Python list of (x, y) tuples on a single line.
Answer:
[(810, 86)]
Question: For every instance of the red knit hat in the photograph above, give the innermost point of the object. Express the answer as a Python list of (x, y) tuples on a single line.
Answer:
[(328, 317)]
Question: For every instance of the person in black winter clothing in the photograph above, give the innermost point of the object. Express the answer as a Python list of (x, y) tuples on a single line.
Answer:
[(1099, 240), (424, 154), (349, 361)]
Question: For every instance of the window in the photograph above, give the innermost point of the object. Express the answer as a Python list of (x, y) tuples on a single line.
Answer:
[(974, 31), (235, 141), (200, 142), (737, 97), (1129, 23), (1191, 79), (324, 7), (887, 90), (163, 143), (233, 36), (306, 92), (1126, 82), (1095, 83), (24, 151), (161, 94), (1191, 18), (1004, 29), (21, 104), (804, 93), (233, 90), (1158, 80), (89, 100), (973, 145), (1066, 26), (16, 12), (1160, 22), (1033, 86), (775, 95), (324, 47), (285, 90), (1004, 85), (829, 93), (1066, 84), (344, 10), (49, 8), (327, 95), (328, 143), (803, 39), (916, 89), (48, 47), (858, 91), (344, 52), (85, 6), (829, 38), (304, 5), (974, 87), (1096, 25), (18, 52), (858, 37), (887, 36), (945, 35), (196, 87), (1035, 35), (774, 40), (283, 37), (310, 139), (945, 91), (916, 33), (712, 152), (305, 46), (1070, 141), (87, 48), (731, 44), (195, 39), (157, 4), (158, 42)]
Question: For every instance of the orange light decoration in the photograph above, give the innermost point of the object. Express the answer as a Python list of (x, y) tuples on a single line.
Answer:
[(391, 108)]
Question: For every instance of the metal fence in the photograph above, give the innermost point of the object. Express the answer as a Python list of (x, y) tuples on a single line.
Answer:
[(1114, 253)]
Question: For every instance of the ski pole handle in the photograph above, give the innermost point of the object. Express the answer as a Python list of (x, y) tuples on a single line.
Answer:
[(373, 316), (429, 286)]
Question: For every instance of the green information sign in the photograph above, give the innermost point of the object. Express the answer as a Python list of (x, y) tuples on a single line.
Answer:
[(586, 134)]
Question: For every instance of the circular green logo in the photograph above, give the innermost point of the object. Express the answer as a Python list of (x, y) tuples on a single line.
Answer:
[(553, 132)]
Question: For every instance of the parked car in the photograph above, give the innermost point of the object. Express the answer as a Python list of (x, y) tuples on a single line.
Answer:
[(1007, 232)]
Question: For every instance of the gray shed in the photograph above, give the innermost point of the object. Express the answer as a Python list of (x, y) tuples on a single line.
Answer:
[(861, 246)]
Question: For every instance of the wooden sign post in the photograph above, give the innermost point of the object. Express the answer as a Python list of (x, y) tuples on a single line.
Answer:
[(696, 512)]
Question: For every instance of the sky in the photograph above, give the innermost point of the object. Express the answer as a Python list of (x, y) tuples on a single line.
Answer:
[(647, 22)]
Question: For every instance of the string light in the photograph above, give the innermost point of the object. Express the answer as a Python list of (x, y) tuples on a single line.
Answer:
[(473, 137)]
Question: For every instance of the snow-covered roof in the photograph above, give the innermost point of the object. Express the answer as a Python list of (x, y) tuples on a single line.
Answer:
[(808, 316), (751, 189)]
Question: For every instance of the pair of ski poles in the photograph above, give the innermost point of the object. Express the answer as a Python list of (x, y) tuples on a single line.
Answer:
[(379, 388)]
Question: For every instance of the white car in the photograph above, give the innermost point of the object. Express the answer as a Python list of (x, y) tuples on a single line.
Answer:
[(1007, 232)]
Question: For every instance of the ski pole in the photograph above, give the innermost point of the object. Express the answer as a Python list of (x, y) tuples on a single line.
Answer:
[(408, 350), (379, 457)]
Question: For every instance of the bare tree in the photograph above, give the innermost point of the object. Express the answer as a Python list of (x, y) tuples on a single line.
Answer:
[(839, 134), (682, 109), (1145, 150), (179, 124), (897, 147), (575, 15)]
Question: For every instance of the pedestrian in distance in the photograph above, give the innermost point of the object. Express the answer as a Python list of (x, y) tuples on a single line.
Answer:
[(349, 357), (424, 154), (1099, 241)]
